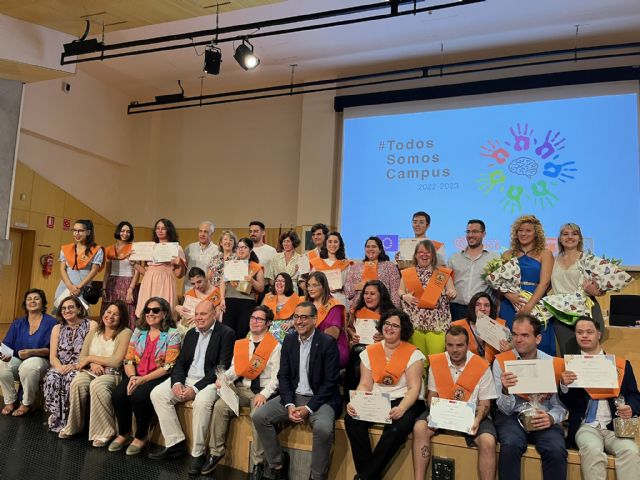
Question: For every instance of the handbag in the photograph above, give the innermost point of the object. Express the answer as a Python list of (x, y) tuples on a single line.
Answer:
[(91, 293)]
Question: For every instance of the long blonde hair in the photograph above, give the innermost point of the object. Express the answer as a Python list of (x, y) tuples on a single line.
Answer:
[(539, 243), (574, 227)]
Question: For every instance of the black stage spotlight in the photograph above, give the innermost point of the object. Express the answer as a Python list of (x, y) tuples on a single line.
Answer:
[(245, 57), (212, 60)]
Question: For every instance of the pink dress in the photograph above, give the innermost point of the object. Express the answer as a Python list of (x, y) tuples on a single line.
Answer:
[(335, 319), (159, 281)]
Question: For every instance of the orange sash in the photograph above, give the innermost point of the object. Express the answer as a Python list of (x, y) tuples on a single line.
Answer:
[(364, 312), (558, 367), (430, 294), (287, 310), (603, 393), (312, 254), (213, 297), (79, 261), (388, 373), (320, 265), (251, 368), (489, 352), (112, 254), (370, 271), (467, 381), (324, 310)]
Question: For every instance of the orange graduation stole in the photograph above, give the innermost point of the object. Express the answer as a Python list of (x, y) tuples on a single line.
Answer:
[(467, 381), (213, 297), (558, 366), (324, 310), (430, 294), (251, 368), (489, 352), (370, 271), (368, 314), (388, 373), (112, 253), (320, 265), (603, 393), (78, 260), (312, 254), (287, 310)]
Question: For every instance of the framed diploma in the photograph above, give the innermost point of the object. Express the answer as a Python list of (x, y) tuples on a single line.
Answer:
[(534, 376), (236, 270), (407, 247), (451, 414), (593, 371), (491, 331), (366, 329), (142, 251), (371, 406), (165, 252), (303, 264), (334, 277), (189, 305)]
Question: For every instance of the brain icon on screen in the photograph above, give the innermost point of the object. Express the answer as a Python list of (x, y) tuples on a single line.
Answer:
[(525, 166)]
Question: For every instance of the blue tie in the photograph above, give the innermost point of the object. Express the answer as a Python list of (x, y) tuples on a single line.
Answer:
[(591, 411)]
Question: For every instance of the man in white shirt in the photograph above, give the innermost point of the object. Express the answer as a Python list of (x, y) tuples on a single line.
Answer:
[(264, 252), (468, 268), (254, 377), (193, 377), (592, 410), (420, 222), (547, 434), (199, 254), (459, 374)]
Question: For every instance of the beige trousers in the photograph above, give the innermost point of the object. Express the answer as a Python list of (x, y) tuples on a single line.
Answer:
[(29, 372), (594, 442), (102, 421), (220, 425)]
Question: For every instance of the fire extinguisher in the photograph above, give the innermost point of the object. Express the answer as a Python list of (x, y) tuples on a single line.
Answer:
[(47, 264)]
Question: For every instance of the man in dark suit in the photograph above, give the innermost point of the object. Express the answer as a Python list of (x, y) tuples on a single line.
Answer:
[(205, 347), (308, 385), (591, 413)]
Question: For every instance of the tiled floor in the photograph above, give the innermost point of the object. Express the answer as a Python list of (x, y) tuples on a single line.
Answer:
[(29, 452)]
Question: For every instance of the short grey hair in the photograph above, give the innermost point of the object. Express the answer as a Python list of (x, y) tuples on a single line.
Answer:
[(212, 227)]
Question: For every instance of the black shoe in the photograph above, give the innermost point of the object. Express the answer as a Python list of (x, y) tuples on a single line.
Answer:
[(175, 451), (257, 473), (196, 464), (282, 473), (210, 465)]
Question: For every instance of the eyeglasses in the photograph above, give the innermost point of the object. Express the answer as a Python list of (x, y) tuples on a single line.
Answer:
[(279, 281), (68, 308), (313, 285), (155, 310), (303, 317), (253, 318), (393, 326)]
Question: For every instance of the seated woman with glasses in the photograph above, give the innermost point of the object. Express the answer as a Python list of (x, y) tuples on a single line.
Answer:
[(152, 353), (392, 366), (283, 303), (331, 313)]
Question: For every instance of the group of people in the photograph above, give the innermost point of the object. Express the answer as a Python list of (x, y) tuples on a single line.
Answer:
[(288, 339)]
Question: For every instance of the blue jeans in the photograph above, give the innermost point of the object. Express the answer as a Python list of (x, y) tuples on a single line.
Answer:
[(513, 443)]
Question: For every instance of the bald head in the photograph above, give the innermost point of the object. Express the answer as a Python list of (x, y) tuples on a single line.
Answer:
[(204, 315)]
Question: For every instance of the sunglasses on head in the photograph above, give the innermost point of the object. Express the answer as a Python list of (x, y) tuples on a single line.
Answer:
[(155, 310)]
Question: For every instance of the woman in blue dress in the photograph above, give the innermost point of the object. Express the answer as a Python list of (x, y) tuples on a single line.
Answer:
[(528, 245)]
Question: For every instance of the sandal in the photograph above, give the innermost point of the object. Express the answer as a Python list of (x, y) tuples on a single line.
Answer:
[(99, 442), (21, 411), (8, 408)]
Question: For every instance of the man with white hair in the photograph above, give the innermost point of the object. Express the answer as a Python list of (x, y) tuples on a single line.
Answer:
[(200, 253)]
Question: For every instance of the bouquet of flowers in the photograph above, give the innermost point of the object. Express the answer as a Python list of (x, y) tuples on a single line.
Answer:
[(506, 278), (604, 272)]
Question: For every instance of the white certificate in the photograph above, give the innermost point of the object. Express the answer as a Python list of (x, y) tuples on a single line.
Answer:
[(534, 376), (165, 252), (334, 277), (452, 414), (371, 406), (6, 351), (408, 247), (189, 305), (366, 329), (142, 251), (491, 331), (593, 371), (236, 270), (303, 264), (229, 397)]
